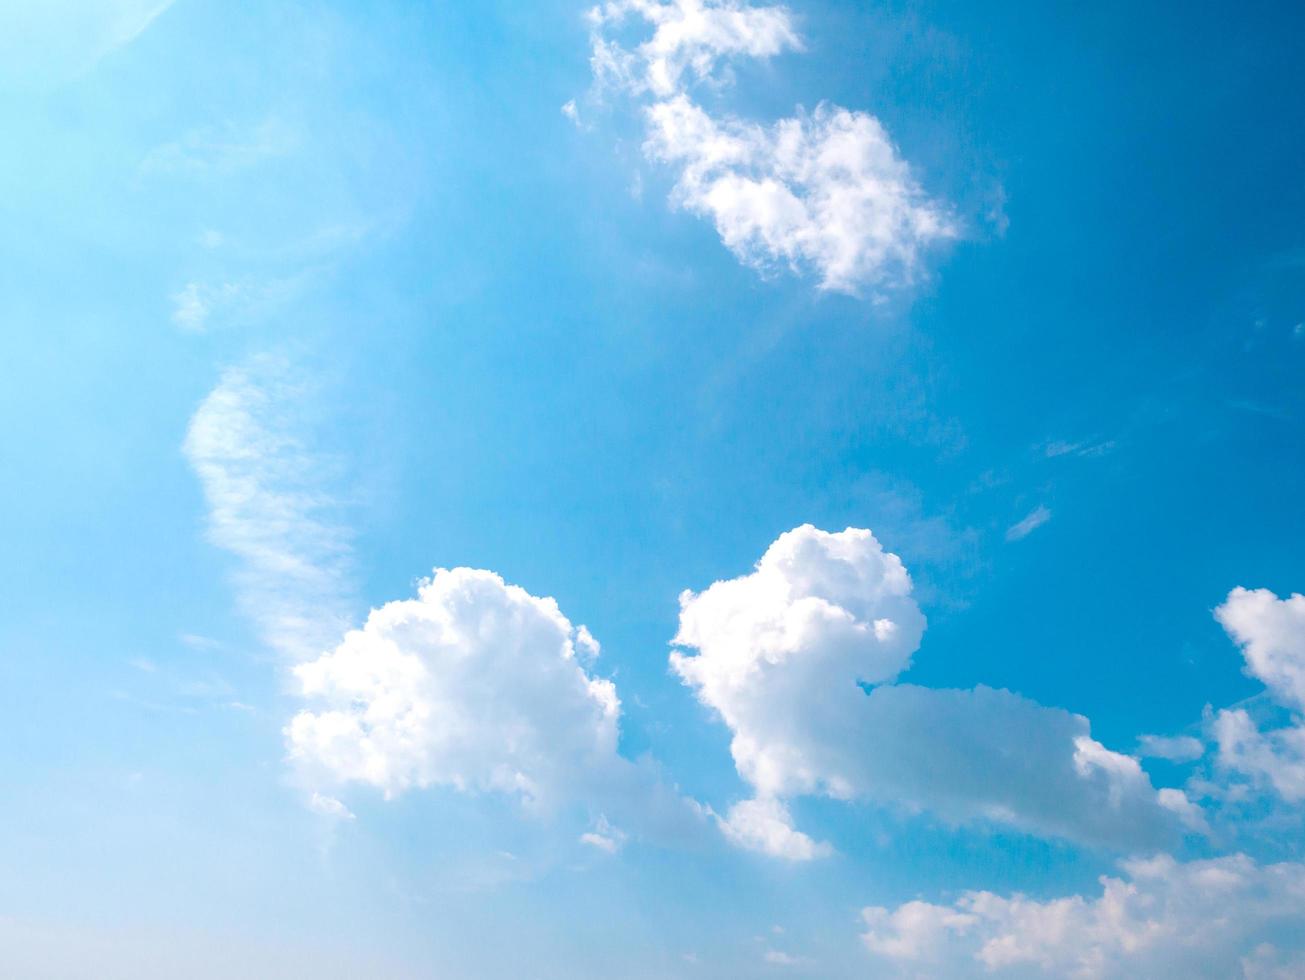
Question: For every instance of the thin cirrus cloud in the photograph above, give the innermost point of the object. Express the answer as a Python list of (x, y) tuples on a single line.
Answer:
[(49, 42), (823, 192), (799, 659), (1022, 528), (200, 307), (1225, 917), (250, 444), (222, 149)]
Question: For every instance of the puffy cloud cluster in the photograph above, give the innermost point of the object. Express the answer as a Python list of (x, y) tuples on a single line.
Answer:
[(1271, 633), (689, 37), (478, 686), (798, 658), (825, 192), (474, 684), (782, 652), (1227, 917)]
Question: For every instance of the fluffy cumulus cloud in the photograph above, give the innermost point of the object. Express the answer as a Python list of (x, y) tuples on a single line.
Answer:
[(1226, 917), (1271, 634), (798, 658), (825, 192), (250, 445), (474, 684), (478, 686), (782, 652)]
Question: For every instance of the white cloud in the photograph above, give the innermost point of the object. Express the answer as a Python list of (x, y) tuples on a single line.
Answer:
[(1023, 528), (195, 302), (1275, 758), (1175, 748), (914, 930), (823, 192), (199, 306), (474, 684), (606, 844), (820, 613), (189, 309), (765, 825), (1058, 447), (262, 482), (478, 686), (222, 149), (604, 836), (1271, 634), (329, 806), (689, 37), (1226, 917), (777, 957), (784, 656)]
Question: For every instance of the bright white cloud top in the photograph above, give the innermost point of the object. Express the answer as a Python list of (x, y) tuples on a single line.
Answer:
[(474, 684), (798, 659), (824, 192), (1271, 634), (1226, 917), (479, 687)]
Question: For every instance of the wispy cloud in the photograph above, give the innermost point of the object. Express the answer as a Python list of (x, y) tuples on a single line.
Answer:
[(1090, 448), (46, 42), (130, 21), (199, 306), (1023, 528), (223, 148), (249, 446)]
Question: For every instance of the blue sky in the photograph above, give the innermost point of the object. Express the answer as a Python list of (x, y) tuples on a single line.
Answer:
[(621, 317)]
